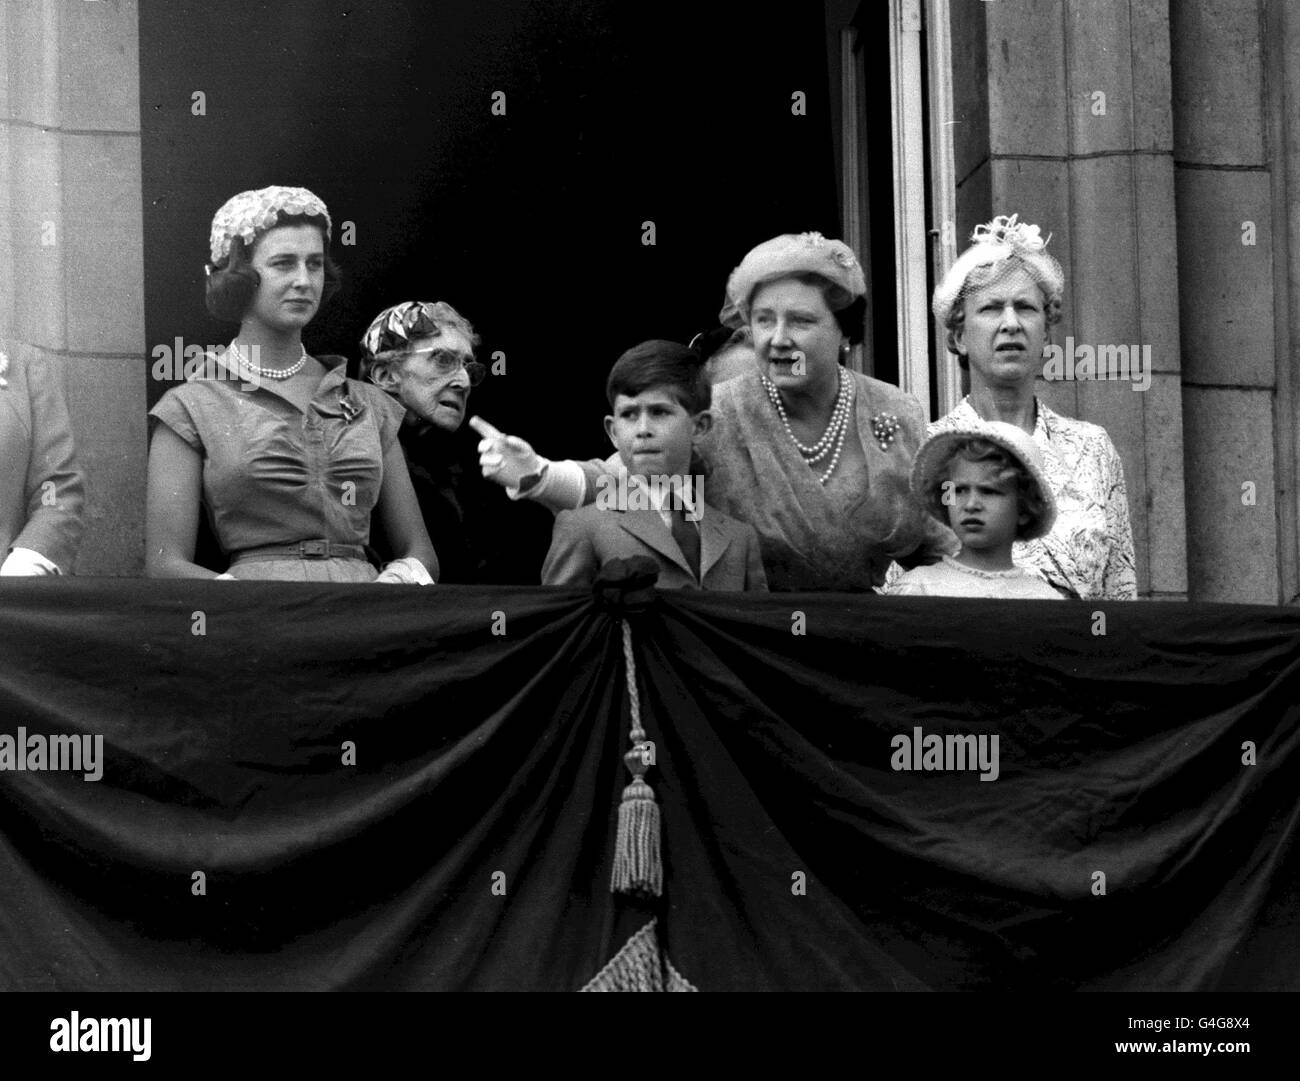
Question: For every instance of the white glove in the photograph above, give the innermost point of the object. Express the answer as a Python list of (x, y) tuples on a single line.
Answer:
[(506, 459), (408, 571), (27, 563)]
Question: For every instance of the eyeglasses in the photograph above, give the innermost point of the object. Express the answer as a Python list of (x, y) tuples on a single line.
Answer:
[(448, 363)]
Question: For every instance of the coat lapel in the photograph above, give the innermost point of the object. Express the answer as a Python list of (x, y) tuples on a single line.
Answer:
[(649, 529), (713, 543)]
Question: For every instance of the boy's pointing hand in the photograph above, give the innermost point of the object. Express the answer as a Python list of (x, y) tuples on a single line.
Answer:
[(506, 459)]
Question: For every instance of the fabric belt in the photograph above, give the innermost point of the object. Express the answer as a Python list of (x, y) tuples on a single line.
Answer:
[(309, 549)]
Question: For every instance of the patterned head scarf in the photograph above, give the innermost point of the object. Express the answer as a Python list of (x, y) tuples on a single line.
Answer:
[(393, 329)]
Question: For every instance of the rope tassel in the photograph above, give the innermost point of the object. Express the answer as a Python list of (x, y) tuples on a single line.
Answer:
[(638, 862)]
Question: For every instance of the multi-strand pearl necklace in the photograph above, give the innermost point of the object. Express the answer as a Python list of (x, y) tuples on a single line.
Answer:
[(271, 373), (832, 440)]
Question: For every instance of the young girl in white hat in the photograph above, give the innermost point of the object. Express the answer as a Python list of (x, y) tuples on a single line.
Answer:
[(985, 482)]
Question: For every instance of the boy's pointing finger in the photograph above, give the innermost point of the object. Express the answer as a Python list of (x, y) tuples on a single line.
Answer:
[(484, 428)]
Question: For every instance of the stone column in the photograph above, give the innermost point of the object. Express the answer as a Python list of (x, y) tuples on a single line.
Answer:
[(1283, 33), (1080, 142), (71, 248), (1228, 302)]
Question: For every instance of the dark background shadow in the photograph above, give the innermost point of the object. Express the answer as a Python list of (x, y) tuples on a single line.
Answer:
[(530, 223)]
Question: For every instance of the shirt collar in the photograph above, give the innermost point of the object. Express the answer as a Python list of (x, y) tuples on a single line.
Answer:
[(667, 498), (336, 372), (1044, 418), (1047, 419), (331, 396)]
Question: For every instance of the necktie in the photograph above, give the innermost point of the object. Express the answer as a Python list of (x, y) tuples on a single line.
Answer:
[(688, 540)]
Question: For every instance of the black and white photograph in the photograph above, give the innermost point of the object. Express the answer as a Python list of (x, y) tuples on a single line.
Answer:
[(555, 495)]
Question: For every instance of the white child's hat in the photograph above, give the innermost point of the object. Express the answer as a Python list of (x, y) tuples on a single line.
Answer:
[(932, 459)]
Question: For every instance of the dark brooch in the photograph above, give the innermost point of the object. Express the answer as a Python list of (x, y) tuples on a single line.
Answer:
[(883, 427)]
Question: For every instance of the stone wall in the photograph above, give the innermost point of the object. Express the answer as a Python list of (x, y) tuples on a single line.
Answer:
[(1075, 101), (71, 263), (1234, 296)]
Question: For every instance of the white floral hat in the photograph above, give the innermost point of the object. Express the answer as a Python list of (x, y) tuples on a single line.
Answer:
[(251, 213), (936, 451), (793, 253), (1000, 239)]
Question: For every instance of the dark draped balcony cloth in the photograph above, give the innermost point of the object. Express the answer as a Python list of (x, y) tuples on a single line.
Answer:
[(470, 845)]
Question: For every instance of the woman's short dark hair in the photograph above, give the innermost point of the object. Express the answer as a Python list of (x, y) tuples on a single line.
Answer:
[(232, 286)]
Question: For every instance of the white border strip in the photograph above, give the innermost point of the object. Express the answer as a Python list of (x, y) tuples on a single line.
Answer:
[(909, 198)]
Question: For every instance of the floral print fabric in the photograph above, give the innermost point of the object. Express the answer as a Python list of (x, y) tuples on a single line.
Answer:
[(1089, 551)]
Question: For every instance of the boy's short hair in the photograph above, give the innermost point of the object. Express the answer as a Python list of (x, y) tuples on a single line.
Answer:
[(1011, 469), (232, 285), (659, 363)]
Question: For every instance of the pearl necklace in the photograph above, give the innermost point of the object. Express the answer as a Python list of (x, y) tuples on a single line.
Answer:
[(836, 431), (271, 373)]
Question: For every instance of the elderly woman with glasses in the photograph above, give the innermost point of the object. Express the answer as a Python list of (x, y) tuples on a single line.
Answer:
[(422, 353), (998, 303), (815, 457), (287, 455)]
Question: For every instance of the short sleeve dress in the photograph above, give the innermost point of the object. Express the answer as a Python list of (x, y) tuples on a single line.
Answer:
[(288, 494)]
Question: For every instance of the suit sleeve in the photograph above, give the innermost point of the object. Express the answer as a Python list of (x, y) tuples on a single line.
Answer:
[(755, 576), (55, 486), (571, 560), (569, 484)]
